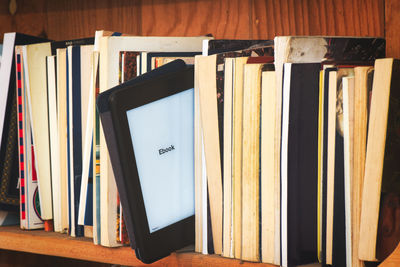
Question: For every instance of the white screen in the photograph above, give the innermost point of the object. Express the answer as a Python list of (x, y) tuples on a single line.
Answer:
[(166, 177)]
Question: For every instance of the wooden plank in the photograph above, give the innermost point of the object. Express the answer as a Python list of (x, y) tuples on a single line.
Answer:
[(392, 27), (317, 17), (393, 260), (70, 19), (31, 18), (61, 245), (54, 244), (7, 21), (9, 258), (222, 18)]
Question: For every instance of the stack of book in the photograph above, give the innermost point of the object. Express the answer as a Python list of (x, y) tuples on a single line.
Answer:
[(53, 148), (284, 172)]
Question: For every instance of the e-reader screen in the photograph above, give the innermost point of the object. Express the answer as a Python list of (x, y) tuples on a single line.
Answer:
[(162, 134)]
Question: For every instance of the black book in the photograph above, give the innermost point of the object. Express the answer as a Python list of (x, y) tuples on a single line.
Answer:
[(299, 161)]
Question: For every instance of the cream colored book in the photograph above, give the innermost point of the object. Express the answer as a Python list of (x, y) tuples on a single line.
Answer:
[(198, 145), (227, 250), (270, 183), (62, 134), (54, 147), (331, 163), (381, 163), (237, 155), (209, 122), (110, 48), (362, 85), (36, 67), (348, 140), (251, 162)]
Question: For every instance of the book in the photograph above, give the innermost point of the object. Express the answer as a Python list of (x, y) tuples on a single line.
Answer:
[(257, 48), (323, 158), (270, 185), (208, 112), (328, 50), (128, 71), (217, 46), (330, 169), (348, 143), (251, 163), (61, 55), (36, 82), (381, 166), (154, 60), (36, 73), (227, 250), (85, 209), (30, 212), (362, 87), (299, 163), (91, 150), (201, 196), (237, 141), (54, 145), (339, 247), (9, 165)]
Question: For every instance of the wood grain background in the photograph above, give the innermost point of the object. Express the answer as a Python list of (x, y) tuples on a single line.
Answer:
[(246, 19)]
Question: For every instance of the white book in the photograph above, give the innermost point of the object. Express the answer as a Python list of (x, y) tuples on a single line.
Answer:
[(87, 124), (35, 69), (71, 178), (62, 135), (284, 162), (5, 72), (54, 149), (348, 122), (33, 218)]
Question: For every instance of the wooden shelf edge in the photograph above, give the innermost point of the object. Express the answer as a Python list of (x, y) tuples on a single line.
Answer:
[(393, 260), (61, 245)]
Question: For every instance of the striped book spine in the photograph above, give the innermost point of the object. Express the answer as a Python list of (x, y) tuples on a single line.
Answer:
[(21, 139)]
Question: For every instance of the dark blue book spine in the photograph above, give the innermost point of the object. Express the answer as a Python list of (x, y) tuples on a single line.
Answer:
[(89, 196), (76, 133)]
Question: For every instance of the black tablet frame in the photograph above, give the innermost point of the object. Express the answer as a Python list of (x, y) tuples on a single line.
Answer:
[(149, 246)]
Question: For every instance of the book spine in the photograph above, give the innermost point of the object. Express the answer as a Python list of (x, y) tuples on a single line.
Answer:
[(22, 182)]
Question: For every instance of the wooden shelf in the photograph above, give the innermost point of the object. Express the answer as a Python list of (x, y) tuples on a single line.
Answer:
[(62, 245)]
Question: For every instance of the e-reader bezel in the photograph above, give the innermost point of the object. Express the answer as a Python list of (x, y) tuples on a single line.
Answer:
[(149, 246)]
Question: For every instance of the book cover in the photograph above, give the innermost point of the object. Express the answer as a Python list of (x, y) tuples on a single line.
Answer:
[(299, 164), (30, 214), (62, 137), (225, 45), (381, 178), (75, 135)]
